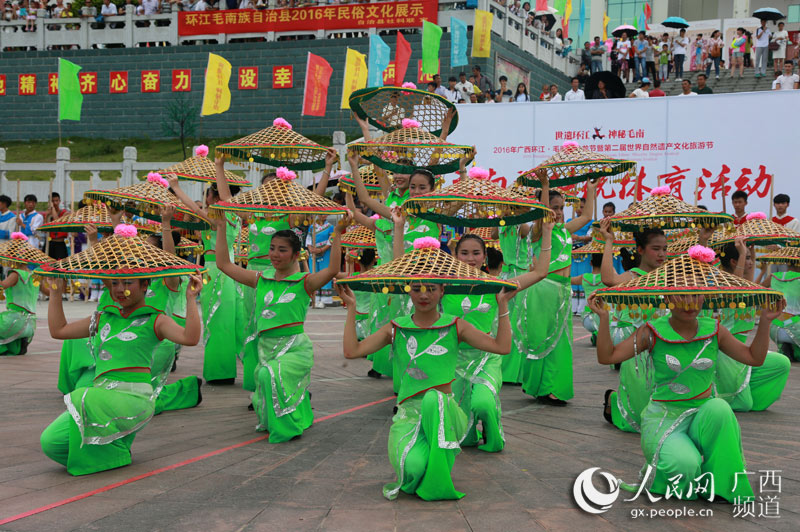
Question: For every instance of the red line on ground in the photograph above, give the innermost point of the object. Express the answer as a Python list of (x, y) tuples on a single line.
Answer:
[(110, 487), (574, 340)]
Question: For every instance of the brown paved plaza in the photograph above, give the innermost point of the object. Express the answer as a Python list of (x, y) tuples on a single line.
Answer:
[(331, 478)]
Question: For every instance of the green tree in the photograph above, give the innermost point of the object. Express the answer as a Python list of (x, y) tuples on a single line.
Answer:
[(181, 119)]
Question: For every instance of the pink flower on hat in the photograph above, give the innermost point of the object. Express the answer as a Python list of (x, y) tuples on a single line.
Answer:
[(155, 177), (125, 230), (476, 172), (702, 253), (570, 144), (427, 242), (16, 235), (663, 190), (285, 174), (201, 150), (410, 122), (756, 216), (281, 123)]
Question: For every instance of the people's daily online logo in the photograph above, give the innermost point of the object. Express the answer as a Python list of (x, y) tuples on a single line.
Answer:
[(589, 498)]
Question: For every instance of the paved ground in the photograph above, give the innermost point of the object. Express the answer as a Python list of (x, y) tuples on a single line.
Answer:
[(331, 478)]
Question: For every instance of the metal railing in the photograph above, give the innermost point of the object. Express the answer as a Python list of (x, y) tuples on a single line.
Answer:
[(130, 31)]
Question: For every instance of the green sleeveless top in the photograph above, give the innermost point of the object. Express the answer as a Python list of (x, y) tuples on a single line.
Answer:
[(209, 238), (260, 237), (119, 341), (561, 254), (172, 303), (479, 310), (424, 358), (384, 228), (22, 296), (683, 368), (738, 321), (281, 305), (515, 249), (591, 282), (418, 228), (788, 284)]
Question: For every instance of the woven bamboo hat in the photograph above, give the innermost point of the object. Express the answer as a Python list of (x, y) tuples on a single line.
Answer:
[(759, 231), (665, 211), (426, 263), (681, 244), (386, 107), (275, 146), (410, 148), (18, 253), (368, 175), (279, 197), (593, 247), (146, 198), (95, 214), (241, 247), (121, 256), (201, 168), (359, 237), (486, 235), (782, 256), (573, 164), (691, 274), (474, 201), (568, 193)]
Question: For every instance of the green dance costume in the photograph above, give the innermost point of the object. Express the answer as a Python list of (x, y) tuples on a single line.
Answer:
[(788, 330), (222, 336), (590, 283), (516, 262), (548, 365), (747, 388), (479, 375), (285, 358), (683, 436), (101, 421), (260, 238), (19, 319), (428, 426)]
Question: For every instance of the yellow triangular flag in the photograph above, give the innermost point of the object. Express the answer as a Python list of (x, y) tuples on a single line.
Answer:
[(216, 94), (355, 75)]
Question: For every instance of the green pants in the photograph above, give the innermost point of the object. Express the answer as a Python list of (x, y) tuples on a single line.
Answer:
[(220, 338), (423, 444), (178, 395), (382, 359), (478, 380), (76, 365), (14, 326), (758, 388), (513, 362)]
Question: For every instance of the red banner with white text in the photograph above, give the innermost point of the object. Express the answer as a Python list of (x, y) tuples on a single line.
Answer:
[(339, 17)]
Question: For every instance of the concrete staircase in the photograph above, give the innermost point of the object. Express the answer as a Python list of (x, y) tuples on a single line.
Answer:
[(747, 84)]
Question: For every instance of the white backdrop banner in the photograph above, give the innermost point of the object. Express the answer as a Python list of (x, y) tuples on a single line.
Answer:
[(745, 140)]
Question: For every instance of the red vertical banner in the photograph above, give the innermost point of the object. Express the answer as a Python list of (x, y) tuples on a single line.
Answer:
[(2, 84), (401, 57), (151, 81), (118, 82), (52, 83), (182, 80), (318, 78)]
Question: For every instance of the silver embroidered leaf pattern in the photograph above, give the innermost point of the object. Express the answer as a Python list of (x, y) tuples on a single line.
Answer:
[(679, 388), (138, 322), (483, 308), (105, 331), (268, 231), (412, 346), (702, 363), (466, 305), (673, 363), (416, 373), (268, 298), (268, 314), (436, 350), (104, 355), (253, 228), (127, 336), (254, 247), (286, 298), (442, 333)]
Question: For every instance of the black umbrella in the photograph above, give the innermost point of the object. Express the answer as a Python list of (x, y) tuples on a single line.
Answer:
[(768, 13), (547, 17), (614, 86)]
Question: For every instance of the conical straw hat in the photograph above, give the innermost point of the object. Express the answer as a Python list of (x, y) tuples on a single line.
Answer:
[(759, 231), (368, 175), (593, 247), (201, 168), (278, 197), (573, 164), (663, 210), (690, 274), (146, 198), (486, 235), (429, 109), (121, 256), (426, 263), (95, 214), (275, 146), (569, 194), (415, 144), (359, 237), (782, 256), (18, 253), (474, 201)]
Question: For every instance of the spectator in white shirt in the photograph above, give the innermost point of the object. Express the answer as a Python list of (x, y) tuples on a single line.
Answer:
[(440, 90), (28, 222), (686, 88), (522, 94), (392, 113), (151, 7), (554, 95), (788, 80), (200, 5), (575, 93), (679, 46), (644, 89), (450, 92), (762, 49), (108, 9), (246, 4), (465, 87)]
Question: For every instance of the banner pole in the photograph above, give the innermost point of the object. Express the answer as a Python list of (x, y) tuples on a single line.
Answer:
[(771, 195), (696, 190)]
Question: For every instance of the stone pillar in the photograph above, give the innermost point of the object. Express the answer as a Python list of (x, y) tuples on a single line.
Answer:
[(129, 156), (60, 181)]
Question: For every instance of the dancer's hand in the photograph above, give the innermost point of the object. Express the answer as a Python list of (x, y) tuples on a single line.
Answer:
[(771, 313), (344, 223), (606, 231), (172, 179), (506, 294), (330, 157), (347, 295), (541, 175), (194, 288), (597, 305), (398, 218), (167, 213), (741, 247), (56, 287)]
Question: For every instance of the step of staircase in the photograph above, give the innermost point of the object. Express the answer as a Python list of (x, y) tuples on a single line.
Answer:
[(725, 84)]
